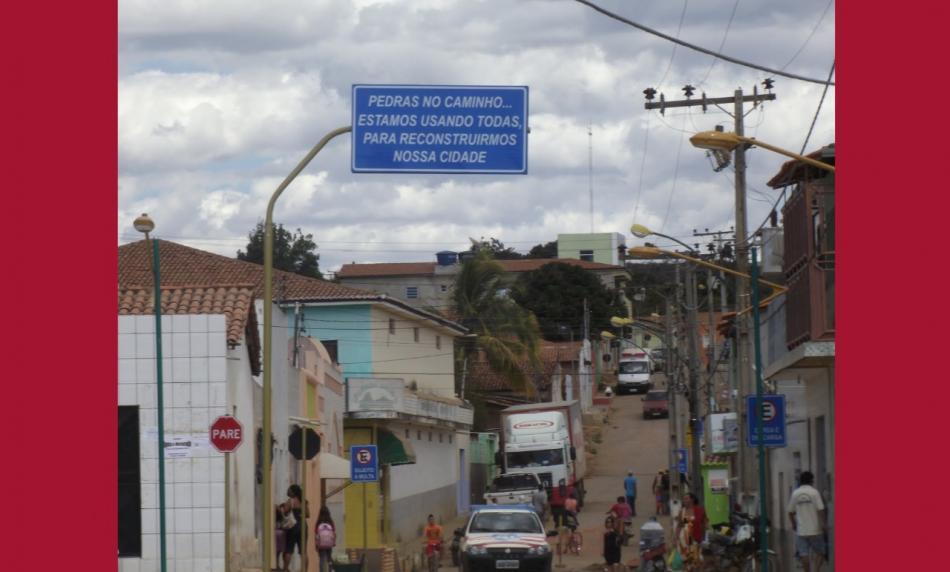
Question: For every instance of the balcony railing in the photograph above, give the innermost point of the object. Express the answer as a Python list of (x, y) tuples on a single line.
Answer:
[(369, 398)]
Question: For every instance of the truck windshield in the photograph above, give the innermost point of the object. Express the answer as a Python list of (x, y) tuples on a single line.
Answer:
[(505, 522), (634, 367), (514, 483), (523, 459)]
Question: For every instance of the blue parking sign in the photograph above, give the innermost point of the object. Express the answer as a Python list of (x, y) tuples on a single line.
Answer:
[(364, 464), (773, 421)]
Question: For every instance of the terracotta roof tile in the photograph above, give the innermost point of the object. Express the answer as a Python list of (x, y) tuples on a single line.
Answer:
[(551, 353), (185, 266), (235, 302)]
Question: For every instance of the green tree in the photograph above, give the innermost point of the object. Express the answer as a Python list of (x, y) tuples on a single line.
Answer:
[(495, 248), (555, 293), (546, 250), (506, 333), (293, 252)]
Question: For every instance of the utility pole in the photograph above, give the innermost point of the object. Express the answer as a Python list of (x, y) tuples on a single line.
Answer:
[(671, 393), (746, 470), (694, 417)]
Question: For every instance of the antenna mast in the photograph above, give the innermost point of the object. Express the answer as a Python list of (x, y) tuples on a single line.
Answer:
[(590, 173)]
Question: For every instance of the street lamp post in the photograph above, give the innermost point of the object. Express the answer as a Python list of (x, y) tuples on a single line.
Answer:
[(266, 499), (145, 225), (692, 326), (725, 141), (755, 280)]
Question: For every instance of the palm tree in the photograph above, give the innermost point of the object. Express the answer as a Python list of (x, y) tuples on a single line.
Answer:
[(507, 334)]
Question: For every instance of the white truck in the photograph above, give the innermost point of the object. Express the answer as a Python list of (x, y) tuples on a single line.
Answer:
[(633, 372), (546, 439)]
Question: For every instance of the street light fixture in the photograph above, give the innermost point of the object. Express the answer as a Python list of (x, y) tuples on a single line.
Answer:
[(145, 225), (727, 141), (641, 231)]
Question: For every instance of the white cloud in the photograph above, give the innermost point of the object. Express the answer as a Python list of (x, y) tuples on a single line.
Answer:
[(219, 101)]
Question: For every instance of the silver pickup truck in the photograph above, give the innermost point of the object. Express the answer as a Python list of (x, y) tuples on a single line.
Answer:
[(512, 488)]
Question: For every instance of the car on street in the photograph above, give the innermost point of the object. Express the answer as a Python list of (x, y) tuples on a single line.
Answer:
[(504, 538), (655, 404), (512, 488)]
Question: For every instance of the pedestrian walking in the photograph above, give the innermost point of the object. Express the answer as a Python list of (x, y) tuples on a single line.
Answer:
[(325, 538), (665, 491), (807, 513), (540, 501), (658, 493), (558, 496), (630, 489), (691, 531), (612, 542), (293, 506)]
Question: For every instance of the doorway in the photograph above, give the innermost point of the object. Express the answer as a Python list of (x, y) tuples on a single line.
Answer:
[(462, 493)]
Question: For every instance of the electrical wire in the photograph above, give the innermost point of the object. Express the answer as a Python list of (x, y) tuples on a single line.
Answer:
[(679, 29), (730, 59), (676, 171), (817, 111), (721, 44), (810, 36)]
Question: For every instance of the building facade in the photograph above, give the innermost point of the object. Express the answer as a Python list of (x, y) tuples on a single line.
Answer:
[(601, 247)]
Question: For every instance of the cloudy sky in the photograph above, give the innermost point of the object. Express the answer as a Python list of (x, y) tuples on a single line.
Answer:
[(218, 101)]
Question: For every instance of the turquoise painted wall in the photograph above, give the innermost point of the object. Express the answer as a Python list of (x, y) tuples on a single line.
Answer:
[(350, 325)]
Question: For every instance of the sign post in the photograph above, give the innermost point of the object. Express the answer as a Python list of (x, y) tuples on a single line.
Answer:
[(364, 468), (772, 416), (226, 434), (440, 129)]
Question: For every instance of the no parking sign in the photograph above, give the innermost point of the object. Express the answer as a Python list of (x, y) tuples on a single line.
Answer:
[(364, 464)]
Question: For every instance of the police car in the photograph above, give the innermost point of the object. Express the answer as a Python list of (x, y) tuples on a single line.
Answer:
[(508, 537)]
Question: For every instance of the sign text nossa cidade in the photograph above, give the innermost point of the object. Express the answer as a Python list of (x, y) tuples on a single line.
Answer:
[(439, 129)]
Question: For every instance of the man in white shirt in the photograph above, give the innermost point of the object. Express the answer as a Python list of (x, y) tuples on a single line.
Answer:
[(807, 513)]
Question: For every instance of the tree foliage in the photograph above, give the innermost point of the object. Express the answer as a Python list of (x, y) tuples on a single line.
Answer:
[(506, 333), (293, 252), (495, 248), (555, 294), (546, 250)]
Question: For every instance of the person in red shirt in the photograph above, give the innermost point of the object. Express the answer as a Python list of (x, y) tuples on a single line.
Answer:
[(691, 528)]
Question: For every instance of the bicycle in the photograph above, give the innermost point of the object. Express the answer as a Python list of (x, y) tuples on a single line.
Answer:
[(753, 562), (574, 542)]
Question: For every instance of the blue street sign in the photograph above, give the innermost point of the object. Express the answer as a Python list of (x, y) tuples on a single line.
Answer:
[(440, 129), (364, 464), (773, 421), (681, 465)]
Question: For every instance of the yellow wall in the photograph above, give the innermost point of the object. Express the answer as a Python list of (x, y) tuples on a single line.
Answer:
[(359, 520), (431, 367)]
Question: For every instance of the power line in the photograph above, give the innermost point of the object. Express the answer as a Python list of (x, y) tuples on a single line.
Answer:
[(808, 39), (722, 43), (698, 48), (817, 111), (676, 172), (679, 29)]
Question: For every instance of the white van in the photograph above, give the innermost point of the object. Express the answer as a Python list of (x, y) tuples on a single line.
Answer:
[(633, 372)]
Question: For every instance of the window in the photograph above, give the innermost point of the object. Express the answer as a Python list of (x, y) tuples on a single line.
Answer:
[(130, 494), (332, 349), (392, 326), (419, 435), (450, 437), (412, 292), (438, 342), (587, 255), (430, 436), (415, 334), (444, 288)]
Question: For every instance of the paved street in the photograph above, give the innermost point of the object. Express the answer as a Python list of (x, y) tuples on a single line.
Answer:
[(629, 442)]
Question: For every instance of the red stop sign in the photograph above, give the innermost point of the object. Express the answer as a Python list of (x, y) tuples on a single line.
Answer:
[(226, 433)]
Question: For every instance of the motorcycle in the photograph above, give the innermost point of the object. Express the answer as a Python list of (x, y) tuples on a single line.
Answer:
[(454, 547), (652, 547), (727, 548)]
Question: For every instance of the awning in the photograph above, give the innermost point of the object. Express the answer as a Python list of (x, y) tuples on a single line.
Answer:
[(333, 467), (393, 450)]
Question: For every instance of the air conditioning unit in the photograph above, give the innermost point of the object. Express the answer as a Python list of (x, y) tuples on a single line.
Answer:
[(773, 250)]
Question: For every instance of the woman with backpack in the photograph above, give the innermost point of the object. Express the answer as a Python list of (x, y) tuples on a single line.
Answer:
[(325, 538)]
